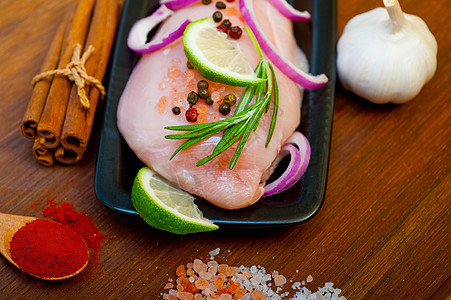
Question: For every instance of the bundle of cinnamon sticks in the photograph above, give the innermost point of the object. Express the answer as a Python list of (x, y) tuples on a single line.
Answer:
[(60, 114)]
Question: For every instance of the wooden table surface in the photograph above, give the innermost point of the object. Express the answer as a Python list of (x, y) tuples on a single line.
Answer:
[(382, 233)]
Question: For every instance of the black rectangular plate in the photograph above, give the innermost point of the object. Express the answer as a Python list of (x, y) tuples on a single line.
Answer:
[(117, 165)]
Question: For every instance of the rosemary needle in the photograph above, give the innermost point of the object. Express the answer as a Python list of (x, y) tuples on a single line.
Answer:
[(245, 119)]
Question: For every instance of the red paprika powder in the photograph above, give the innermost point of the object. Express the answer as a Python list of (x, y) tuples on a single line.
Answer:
[(48, 249), (78, 221)]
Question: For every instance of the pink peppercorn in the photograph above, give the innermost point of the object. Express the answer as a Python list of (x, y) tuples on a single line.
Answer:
[(235, 32), (222, 28), (191, 114)]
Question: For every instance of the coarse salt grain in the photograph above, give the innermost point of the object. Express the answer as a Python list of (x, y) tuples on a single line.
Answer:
[(280, 280), (213, 253)]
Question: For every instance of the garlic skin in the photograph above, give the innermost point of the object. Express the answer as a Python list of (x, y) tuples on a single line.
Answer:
[(385, 55)]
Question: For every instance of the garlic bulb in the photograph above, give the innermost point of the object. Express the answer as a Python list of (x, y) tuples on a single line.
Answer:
[(385, 55)]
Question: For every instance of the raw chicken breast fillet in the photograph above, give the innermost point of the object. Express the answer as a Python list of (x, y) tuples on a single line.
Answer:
[(161, 80)]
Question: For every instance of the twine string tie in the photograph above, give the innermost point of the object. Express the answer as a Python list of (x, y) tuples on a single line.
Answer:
[(76, 71)]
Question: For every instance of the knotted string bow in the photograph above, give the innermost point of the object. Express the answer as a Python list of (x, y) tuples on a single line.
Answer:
[(76, 71)]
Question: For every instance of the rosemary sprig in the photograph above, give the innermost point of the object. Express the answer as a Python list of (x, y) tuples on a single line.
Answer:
[(244, 120)]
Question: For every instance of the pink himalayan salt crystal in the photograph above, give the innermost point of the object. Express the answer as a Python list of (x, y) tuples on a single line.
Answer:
[(162, 105), (188, 74), (309, 278), (201, 284), (214, 117), (206, 275), (173, 72), (222, 268), (176, 102), (213, 263), (177, 95), (230, 271), (216, 96), (199, 266), (258, 295), (188, 79), (168, 286), (202, 118), (279, 280), (190, 272), (185, 296), (241, 277), (176, 61), (212, 269), (247, 273), (202, 109), (191, 87)]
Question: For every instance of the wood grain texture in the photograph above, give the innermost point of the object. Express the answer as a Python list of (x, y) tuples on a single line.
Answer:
[(382, 233)]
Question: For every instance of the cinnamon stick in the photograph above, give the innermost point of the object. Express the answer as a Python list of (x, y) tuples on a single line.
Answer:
[(43, 155), (79, 119), (51, 121), (41, 88), (67, 156)]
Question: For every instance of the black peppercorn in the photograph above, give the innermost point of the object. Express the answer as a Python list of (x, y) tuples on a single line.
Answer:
[(224, 109), (192, 98), (206, 2), (189, 65), (217, 16), (227, 23), (202, 84), (209, 101), (230, 99), (203, 93), (176, 110), (220, 5)]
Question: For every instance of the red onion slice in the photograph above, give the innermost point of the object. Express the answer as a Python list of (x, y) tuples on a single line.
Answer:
[(137, 36), (304, 79), (300, 158), (290, 12), (177, 4)]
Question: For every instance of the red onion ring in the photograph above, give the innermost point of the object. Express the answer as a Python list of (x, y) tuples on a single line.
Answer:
[(304, 79), (300, 158), (290, 12), (177, 4), (137, 36)]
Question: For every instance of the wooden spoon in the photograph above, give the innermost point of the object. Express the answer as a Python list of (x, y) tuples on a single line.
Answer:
[(9, 225)]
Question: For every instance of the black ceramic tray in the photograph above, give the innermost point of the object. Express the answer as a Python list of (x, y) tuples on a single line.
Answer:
[(117, 165)]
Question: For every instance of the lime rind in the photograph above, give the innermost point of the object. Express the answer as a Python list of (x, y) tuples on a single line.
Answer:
[(178, 215), (231, 67)]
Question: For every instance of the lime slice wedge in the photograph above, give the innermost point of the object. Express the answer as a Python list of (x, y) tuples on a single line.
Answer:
[(166, 207), (215, 57)]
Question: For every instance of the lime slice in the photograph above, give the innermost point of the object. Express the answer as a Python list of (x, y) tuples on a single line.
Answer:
[(215, 57), (166, 207)]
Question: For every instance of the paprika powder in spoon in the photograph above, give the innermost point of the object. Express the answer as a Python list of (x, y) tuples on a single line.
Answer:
[(42, 248)]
